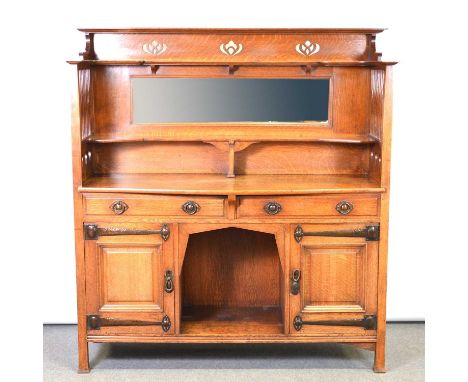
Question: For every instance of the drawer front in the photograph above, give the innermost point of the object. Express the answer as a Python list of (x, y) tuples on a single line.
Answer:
[(153, 205), (338, 206)]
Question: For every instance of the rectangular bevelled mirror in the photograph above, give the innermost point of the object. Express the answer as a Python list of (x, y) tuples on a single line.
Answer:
[(219, 100)]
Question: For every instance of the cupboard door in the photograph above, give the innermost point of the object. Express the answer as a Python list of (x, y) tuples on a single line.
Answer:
[(129, 281), (333, 282)]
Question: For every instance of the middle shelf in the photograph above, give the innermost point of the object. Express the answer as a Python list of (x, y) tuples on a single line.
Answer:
[(280, 136), (218, 184)]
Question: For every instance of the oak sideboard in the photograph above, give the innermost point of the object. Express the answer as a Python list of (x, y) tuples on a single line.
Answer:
[(231, 186)]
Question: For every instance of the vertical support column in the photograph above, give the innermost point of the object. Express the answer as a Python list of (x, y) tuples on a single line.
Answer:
[(379, 360), (83, 358), (230, 173), (177, 280), (231, 206)]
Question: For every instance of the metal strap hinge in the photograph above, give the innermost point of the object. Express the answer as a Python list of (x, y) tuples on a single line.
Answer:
[(368, 322), (370, 233), (93, 231), (95, 322)]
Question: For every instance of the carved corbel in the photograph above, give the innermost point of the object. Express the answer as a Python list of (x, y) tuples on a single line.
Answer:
[(89, 53)]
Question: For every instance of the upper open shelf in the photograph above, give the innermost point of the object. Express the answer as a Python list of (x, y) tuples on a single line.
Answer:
[(217, 184)]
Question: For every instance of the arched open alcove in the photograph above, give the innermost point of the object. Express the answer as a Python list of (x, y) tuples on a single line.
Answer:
[(231, 282)]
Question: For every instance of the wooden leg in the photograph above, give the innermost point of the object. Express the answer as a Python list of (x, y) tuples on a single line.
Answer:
[(83, 358), (379, 356)]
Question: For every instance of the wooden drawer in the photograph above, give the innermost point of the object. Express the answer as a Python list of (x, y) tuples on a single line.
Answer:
[(325, 206), (153, 205)]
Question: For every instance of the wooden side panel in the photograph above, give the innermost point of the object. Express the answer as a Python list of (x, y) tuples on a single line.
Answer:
[(376, 112), (379, 361), (77, 126), (376, 122), (351, 103)]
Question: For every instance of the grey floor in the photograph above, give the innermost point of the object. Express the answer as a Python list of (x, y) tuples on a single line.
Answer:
[(174, 363)]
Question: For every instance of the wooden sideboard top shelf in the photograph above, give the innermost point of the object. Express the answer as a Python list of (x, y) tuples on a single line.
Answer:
[(217, 184), (233, 30)]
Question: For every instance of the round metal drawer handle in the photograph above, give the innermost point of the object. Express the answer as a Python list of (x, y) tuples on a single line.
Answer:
[(344, 207), (190, 207), (272, 208), (119, 207)]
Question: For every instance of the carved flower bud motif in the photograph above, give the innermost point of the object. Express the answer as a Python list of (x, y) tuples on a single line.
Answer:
[(231, 48), (307, 48), (154, 47)]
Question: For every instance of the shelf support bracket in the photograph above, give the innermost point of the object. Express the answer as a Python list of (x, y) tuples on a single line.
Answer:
[(233, 68), (308, 69), (231, 151), (89, 53), (231, 206)]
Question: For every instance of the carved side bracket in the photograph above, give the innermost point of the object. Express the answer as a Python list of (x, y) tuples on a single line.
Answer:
[(89, 53), (373, 54)]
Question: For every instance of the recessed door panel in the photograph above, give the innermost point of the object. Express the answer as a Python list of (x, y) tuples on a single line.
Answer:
[(130, 277), (333, 277)]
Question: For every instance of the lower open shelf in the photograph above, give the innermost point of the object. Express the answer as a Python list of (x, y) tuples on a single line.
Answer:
[(205, 321)]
